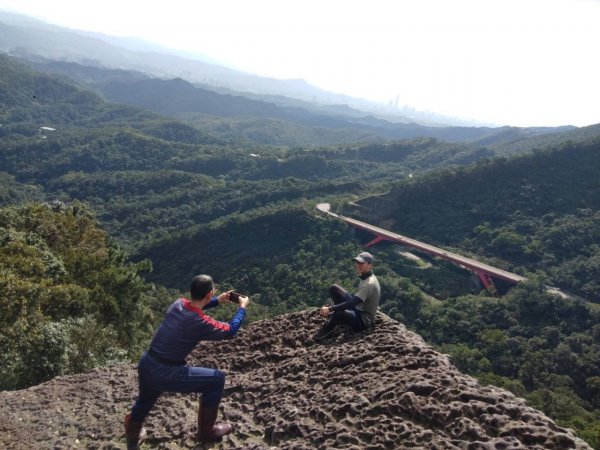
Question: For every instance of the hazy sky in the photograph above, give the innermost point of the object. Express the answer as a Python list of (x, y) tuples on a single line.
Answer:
[(516, 62)]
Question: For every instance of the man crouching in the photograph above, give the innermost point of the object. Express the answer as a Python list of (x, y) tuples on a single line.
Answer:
[(163, 367)]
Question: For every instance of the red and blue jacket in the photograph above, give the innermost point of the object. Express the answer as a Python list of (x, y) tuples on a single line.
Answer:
[(184, 326)]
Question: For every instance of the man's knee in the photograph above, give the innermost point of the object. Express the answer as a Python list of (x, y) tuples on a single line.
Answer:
[(338, 294), (214, 377), (219, 378), (215, 383), (335, 289)]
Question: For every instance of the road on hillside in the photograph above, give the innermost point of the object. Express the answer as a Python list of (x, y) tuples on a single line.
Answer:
[(463, 261), (467, 263)]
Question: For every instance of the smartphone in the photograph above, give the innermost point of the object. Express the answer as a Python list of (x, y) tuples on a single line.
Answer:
[(234, 297)]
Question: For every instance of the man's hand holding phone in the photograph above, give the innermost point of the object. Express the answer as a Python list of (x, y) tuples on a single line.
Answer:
[(242, 300)]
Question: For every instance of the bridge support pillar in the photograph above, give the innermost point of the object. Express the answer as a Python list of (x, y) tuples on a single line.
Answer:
[(487, 282), (377, 240)]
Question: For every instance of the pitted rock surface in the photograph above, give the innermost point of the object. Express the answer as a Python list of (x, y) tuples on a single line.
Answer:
[(381, 389)]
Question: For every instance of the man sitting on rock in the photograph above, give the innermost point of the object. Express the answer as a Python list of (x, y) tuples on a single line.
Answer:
[(356, 310), (163, 368)]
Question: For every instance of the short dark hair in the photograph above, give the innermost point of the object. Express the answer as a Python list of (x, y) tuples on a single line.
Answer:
[(201, 285)]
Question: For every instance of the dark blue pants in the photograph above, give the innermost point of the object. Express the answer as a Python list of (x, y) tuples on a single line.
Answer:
[(156, 378), (350, 316)]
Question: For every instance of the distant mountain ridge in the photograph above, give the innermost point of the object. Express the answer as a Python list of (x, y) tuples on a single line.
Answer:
[(298, 102), (27, 37), (23, 36), (179, 98)]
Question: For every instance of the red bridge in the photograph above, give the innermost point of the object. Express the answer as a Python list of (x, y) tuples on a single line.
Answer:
[(485, 272)]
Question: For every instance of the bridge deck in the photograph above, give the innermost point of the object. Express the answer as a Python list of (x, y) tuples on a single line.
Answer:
[(468, 263)]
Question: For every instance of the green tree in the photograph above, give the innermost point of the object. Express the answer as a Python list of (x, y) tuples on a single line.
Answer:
[(69, 299)]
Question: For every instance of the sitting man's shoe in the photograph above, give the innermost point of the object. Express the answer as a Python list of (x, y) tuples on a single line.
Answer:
[(326, 330)]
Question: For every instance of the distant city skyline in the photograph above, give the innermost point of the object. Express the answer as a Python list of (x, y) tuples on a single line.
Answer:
[(511, 62)]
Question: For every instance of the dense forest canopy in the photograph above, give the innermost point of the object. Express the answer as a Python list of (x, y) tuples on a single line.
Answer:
[(108, 211)]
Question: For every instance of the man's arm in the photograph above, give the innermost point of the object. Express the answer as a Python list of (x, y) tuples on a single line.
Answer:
[(217, 300), (355, 300), (213, 302), (215, 330)]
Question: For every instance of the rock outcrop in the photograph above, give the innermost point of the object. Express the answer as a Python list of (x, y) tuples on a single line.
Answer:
[(381, 389)]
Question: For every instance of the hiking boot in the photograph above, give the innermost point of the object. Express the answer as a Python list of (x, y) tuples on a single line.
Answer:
[(135, 433), (208, 431)]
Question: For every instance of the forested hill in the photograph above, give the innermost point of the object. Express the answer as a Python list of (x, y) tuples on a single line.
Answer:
[(31, 100), (535, 213), (230, 114), (146, 176), (179, 98), (176, 97)]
